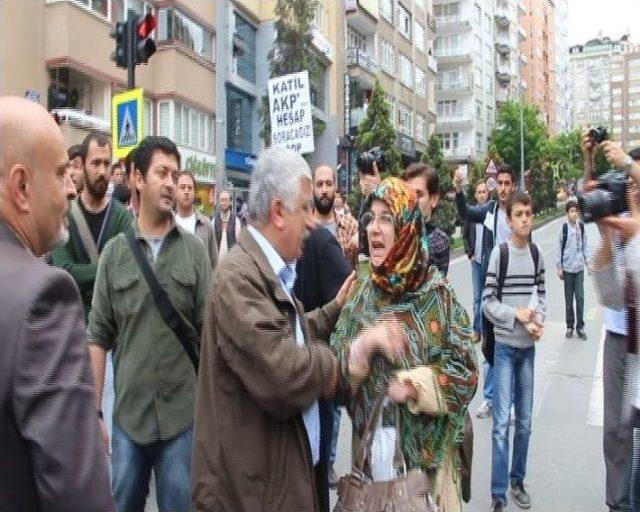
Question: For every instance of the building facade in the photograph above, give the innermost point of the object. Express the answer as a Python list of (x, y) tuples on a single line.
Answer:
[(392, 41), (590, 67), (625, 97), (562, 75), (540, 67)]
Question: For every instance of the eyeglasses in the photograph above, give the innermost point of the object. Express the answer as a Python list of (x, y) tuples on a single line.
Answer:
[(384, 220)]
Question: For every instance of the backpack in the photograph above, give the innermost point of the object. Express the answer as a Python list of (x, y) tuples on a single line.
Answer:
[(489, 340), (565, 232)]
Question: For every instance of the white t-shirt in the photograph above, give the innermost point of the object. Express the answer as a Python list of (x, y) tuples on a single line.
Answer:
[(187, 223), (503, 229)]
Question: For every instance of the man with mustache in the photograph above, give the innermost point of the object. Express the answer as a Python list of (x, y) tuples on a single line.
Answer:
[(155, 379), (93, 218), (52, 458)]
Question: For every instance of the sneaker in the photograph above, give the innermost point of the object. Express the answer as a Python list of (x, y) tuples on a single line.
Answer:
[(497, 506), (569, 334), (582, 335), (484, 411), (333, 478), (520, 496)]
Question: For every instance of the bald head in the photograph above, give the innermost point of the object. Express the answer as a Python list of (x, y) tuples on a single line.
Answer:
[(33, 176)]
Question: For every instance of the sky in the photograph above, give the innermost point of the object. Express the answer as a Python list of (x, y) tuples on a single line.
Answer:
[(613, 17)]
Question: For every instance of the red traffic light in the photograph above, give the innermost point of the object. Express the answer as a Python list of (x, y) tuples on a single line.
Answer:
[(148, 25)]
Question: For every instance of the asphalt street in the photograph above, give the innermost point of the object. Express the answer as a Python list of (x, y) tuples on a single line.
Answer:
[(565, 467)]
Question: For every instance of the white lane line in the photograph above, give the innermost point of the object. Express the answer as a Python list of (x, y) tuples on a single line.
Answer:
[(595, 417)]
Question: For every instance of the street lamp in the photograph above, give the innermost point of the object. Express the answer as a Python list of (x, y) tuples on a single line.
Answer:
[(521, 135)]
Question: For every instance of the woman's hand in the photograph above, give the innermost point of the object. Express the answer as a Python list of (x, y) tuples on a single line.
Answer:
[(400, 392)]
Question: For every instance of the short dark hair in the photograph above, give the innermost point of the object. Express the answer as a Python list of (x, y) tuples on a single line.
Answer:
[(101, 139), (571, 203), (518, 197), (74, 151), (149, 145), (420, 169), (635, 153), (190, 174), (506, 169)]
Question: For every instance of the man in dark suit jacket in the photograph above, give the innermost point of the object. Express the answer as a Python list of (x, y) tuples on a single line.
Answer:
[(51, 455)]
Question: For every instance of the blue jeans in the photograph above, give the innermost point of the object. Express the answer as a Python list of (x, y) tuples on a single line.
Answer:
[(512, 376), (132, 463), (477, 277), (337, 415)]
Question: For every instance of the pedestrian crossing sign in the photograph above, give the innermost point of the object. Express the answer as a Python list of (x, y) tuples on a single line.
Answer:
[(127, 119)]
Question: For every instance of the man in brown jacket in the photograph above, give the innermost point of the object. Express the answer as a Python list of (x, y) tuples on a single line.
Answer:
[(263, 366)]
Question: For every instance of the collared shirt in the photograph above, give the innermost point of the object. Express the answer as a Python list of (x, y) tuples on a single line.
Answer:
[(502, 228), (287, 275), (575, 251), (154, 378)]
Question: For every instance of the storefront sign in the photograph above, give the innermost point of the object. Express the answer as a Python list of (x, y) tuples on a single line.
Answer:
[(239, 160), (202, 165), (290, 107)]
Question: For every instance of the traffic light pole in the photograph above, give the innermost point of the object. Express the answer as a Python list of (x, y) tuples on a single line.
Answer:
[(132, 26)]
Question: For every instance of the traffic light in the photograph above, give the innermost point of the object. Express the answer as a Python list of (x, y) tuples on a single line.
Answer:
[(121, 35), (145, 46)]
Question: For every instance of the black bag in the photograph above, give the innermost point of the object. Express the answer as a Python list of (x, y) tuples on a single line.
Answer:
[(184, 331), (488, 336)]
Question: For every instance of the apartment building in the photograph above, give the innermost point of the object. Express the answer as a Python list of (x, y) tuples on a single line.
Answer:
[(509, 33), (625, 97), (590, 67), (60, 55), (562, 75), (539, 49), (392, 40)]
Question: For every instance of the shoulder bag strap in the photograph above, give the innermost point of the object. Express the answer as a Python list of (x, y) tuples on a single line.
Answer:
[(86, 238), (565, 233), (502, 271), (364, 451), (535, 255), (185, 333)]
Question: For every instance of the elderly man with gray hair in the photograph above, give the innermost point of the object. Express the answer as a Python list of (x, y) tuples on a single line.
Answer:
[(263, 366)]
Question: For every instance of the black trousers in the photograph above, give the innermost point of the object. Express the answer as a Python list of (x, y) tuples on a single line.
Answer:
[(322, 468), (574, 287)]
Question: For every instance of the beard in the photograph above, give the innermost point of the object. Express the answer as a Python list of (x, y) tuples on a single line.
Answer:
[(324, 204), (97, 188)]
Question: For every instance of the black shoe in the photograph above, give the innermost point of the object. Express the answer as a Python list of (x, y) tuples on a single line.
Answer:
[(497, 506), (520, 496), (569, 333), (582, 335)]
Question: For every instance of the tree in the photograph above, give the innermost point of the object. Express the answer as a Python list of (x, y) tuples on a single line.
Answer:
[(505, 137), (446, 214), (292, 51), (376, 129)]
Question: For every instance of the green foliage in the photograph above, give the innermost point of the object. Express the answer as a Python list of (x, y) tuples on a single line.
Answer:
[(292, 51), (446, 214), (542, 188), (505, 138), (376, 129), (564, 156)]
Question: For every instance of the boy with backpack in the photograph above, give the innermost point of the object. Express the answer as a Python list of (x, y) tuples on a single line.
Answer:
[(572, 259), (514, 302)]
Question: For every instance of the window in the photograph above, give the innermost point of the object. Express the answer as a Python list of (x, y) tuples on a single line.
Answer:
[(452, 9), (101, 7), (239, 120), (418, 35), (316, 22), (386, 9), (490, 115), (447, 108), (479, 110), (356, 40), (140, 6), (318, 87), (388, 57), (148, 118), (190, 126), (406, 75), (449, 142), (404, 119), (421, 83), (392, 110), (420, 128), (175, 26), (450, 78), (404, 22), (245, 65), (479, 142), (448, 45)]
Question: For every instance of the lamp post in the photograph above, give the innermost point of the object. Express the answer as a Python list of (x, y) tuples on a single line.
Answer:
[(521, 136)]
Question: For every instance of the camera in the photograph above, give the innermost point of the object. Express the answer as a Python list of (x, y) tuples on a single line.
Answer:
[(609, 197), (365, 160), (598, 134)]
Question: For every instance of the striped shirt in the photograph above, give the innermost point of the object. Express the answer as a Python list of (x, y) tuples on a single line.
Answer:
[(516, 293)]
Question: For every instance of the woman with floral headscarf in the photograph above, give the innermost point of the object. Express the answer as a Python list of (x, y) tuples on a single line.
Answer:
[(404, 331)]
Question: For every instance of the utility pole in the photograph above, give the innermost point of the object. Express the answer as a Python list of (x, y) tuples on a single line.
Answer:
[(223, 38), (132, 25), (521, 137)]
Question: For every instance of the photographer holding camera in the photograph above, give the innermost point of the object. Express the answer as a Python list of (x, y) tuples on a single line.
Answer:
[(613, 201)]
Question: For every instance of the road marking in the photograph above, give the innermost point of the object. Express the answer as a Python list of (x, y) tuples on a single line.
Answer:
[(595, 417)]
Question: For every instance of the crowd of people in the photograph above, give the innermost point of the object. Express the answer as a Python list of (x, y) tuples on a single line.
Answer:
[(217, 353)]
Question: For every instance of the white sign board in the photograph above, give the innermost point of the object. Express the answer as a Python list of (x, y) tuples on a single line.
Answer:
[(290, 107)]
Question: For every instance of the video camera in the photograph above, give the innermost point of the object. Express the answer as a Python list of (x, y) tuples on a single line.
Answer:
[(608, 198), (365, 160)]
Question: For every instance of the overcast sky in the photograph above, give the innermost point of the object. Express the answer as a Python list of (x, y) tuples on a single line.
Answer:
[(613, 17)]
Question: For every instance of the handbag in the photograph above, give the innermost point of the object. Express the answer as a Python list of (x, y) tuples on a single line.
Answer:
[(410, 491)]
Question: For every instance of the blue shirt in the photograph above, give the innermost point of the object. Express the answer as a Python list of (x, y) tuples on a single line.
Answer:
[(287, 276), (575, 251)]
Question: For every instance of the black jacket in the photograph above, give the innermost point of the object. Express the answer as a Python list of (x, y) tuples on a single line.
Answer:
[(469, 237)]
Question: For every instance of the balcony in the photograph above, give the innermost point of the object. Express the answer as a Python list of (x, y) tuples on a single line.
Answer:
[(360, 58), (453, 120), (452, 23), (80, 119), (502, 17), (462, 86), (457, 154), (453, 56), (432, 64), (503, 45), (360, 18), (504, 73)]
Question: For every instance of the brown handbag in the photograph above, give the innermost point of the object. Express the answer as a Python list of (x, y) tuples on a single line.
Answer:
[(408, 492)]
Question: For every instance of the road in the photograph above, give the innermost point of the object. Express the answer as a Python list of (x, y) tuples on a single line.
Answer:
[(565, 468)]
